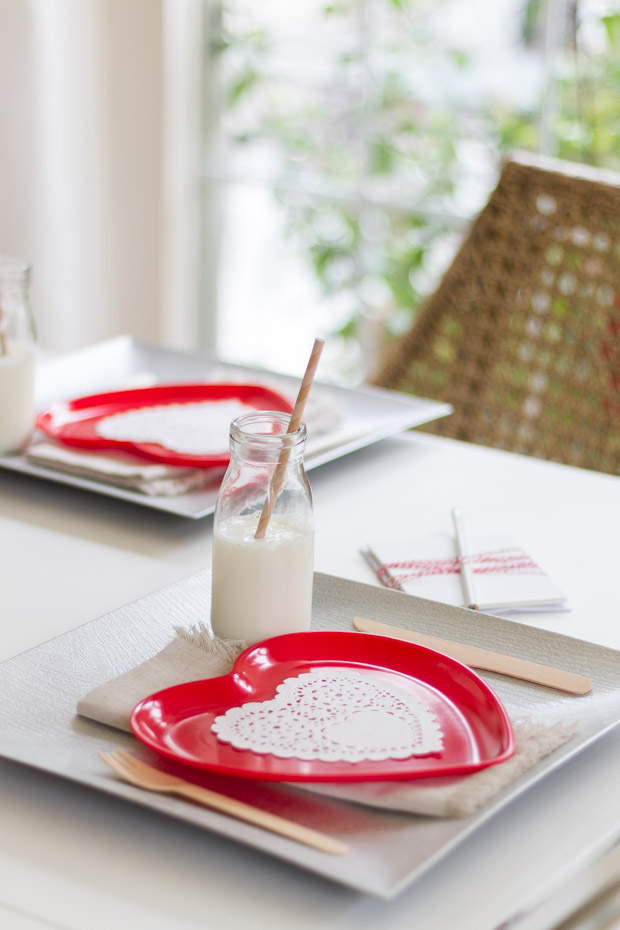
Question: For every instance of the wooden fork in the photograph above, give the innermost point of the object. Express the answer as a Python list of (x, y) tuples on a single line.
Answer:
[(145, 776)]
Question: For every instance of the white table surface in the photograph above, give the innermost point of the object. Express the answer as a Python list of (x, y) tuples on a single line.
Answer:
[(70, 858)]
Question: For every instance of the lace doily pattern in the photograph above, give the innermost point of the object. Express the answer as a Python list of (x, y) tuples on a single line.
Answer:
[(333, 715), (199, 428)]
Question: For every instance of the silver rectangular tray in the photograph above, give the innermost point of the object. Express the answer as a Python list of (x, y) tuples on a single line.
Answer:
[(39, 727), (366, 414)]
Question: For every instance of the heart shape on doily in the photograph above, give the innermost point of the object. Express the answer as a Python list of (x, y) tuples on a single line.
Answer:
[(476, 732), (333, 715), (354, 731)]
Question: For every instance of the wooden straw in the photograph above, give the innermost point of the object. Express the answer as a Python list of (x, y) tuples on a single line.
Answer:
[(293, 426)]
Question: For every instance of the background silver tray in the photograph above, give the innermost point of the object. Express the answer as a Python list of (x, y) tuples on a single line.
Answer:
[(364, 415), (388, 851)]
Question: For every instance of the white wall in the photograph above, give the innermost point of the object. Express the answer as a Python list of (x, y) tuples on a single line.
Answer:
[(81, 163)]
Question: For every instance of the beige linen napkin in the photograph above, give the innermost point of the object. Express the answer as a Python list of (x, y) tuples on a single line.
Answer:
[(123, 469), (194, 654)]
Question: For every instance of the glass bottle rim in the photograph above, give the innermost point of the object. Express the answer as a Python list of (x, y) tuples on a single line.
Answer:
[(246, 429), (14, 269)]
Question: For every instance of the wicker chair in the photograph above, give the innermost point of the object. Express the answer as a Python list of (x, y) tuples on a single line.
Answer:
[(522, 336)]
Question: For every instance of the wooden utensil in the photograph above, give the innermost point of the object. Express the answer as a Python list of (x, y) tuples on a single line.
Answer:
[(139, 773), (484, 659)]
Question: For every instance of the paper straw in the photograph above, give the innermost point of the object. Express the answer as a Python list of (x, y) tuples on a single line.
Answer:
[(462, 550), (293, 426)]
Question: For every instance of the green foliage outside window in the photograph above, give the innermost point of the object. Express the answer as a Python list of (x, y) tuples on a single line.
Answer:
[(375, 168)]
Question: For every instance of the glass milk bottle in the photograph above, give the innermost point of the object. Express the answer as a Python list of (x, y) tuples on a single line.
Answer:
[(17, 356), (262, 587)]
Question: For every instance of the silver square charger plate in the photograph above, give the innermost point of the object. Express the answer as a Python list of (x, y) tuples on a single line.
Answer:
[(364, 415), (39, 727)]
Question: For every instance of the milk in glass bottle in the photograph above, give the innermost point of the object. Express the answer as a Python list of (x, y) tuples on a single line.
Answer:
[(262, 577)]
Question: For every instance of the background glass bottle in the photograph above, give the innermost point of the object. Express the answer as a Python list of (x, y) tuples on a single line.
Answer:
[(17, 356)]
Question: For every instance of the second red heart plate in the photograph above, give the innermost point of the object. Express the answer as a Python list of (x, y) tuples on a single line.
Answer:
[(76, 422)]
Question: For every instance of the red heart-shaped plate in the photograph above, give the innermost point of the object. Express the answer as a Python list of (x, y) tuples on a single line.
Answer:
[(176, 722)]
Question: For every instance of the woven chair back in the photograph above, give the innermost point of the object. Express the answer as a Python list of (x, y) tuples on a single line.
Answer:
[(522, 336)]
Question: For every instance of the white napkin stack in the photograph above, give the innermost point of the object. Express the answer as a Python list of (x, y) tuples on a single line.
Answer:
[(122, 469), (126, 470), (507, 580)]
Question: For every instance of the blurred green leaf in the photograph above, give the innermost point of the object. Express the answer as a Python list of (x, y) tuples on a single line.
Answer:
[(241, 86), (612, 28)]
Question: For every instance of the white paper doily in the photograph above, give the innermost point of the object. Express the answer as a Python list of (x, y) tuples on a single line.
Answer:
[(195, 428), (333, 715)]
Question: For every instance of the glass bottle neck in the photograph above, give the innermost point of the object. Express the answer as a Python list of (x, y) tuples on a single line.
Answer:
[(15, 316), (262, 437)]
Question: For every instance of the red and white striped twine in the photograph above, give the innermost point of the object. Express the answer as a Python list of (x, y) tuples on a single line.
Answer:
[(500, 561)]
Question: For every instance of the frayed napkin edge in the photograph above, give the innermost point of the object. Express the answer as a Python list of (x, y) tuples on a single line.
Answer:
[(200, 636), (190, 655)]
